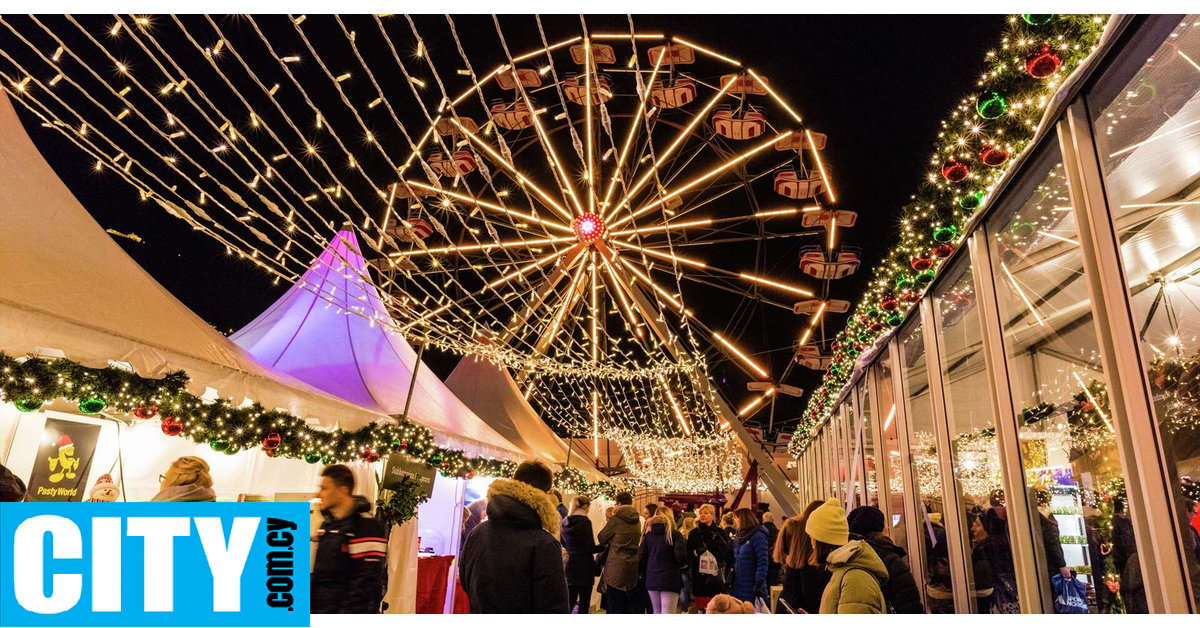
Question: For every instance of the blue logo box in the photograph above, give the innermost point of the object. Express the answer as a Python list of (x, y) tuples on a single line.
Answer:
[(153, 564)]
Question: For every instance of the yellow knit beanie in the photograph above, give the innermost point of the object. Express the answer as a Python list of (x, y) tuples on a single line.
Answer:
[(827, 524)]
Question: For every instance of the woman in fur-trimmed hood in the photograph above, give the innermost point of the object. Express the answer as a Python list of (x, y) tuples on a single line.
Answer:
[(512, 563)]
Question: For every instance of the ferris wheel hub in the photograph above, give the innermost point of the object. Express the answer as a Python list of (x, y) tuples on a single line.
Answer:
[(588, 227)]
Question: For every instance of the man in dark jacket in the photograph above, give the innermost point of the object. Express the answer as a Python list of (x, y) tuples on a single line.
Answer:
[(621, 535), (349, 573), (900, 590), (513, 561)]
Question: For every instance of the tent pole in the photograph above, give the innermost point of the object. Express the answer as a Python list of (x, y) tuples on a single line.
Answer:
[(413, 382)]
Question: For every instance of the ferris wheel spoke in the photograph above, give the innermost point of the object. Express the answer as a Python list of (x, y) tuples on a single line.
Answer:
[(633, 127), (466, 248), (568, 304), (552, 224), (679, 139), (521, 178), (733, 161), (542, 292)]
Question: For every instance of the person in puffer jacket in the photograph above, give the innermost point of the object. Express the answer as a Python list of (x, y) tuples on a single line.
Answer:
[(856, 570), (750, 558), (901, 593)]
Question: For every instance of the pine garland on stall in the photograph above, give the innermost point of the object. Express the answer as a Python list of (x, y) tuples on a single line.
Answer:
[(975, 147), (30, 383), (398, 505)]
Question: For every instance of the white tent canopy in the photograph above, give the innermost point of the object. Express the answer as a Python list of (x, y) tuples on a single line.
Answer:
[(491, 392), (67, 287), (356, 355)]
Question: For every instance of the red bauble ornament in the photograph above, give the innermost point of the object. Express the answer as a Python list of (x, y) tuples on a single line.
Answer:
[(271, 453), (864, 319), (271, 441), (834, 347), (876, 326), (921, 264), (146, 413), (369, 455), (1043, 62), (955, 170), (469, 474), (889, 303), (993, 156), (943, 250), (908, 296), (172, 426)]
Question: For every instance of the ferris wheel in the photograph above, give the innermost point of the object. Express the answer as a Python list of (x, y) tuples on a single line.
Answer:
[(574, 181)]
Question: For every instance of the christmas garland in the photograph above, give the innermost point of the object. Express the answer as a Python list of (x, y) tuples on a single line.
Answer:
[(974, 149), (30, 383), (572, 480)]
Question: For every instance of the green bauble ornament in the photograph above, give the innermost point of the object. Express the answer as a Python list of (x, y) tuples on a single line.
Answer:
[(324, 459), (924, 278), (894, 320), (863, 337), (218, 444), (312, 458), (233, 449), (852, 352), (1037, 20), (945, 233), (29, 405), (92, 405), (971, 202), (872, 312), (436, 459), (991, 105), (903, 282)]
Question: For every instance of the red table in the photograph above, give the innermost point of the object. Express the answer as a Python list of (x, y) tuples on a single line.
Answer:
[(433, 573)]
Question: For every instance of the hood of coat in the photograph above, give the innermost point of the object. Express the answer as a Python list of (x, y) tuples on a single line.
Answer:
[(881, 543), (857, 555), (519, 502), (186, 493), (627, 514)]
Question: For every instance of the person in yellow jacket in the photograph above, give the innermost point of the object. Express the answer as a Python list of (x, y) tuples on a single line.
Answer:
[(856, 568)]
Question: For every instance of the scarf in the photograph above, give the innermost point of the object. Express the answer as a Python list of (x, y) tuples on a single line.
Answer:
[(744, 535)]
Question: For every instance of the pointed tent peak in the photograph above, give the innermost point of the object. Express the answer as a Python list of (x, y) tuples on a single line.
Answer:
[(332, 330)]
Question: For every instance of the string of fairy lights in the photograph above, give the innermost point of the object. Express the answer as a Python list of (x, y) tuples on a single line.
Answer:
[(541, 230), (974, 148)]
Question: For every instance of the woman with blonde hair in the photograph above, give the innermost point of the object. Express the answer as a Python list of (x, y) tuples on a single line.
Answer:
[(663, 556), (575, 530), (186, 480), (708, 556)]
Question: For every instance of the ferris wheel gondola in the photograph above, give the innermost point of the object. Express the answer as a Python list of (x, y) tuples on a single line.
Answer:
[(841, 264), (790, 184), (672, 93), (746, 124)]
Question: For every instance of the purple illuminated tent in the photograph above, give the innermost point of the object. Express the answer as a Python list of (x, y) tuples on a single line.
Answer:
[(332, 331)]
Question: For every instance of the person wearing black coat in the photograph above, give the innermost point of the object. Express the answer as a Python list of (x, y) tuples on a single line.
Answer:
[(768, 522), (707, 537), (900, 590), (513, 561), (577, 539), (663, 557)]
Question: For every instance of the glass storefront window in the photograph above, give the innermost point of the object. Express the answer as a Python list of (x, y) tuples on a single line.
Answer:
[(974, 453), (890, 450), (867, 437), (1069, 456), (1148, 140), (924, 458)]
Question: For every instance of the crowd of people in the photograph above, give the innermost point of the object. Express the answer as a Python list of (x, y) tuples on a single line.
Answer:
[(526, 557), (525, 551)]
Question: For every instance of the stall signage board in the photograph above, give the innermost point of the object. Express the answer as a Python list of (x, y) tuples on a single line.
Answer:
[(400, 466), (63, 460)]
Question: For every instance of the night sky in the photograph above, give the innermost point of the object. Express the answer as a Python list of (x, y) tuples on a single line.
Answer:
[(877, 86)]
